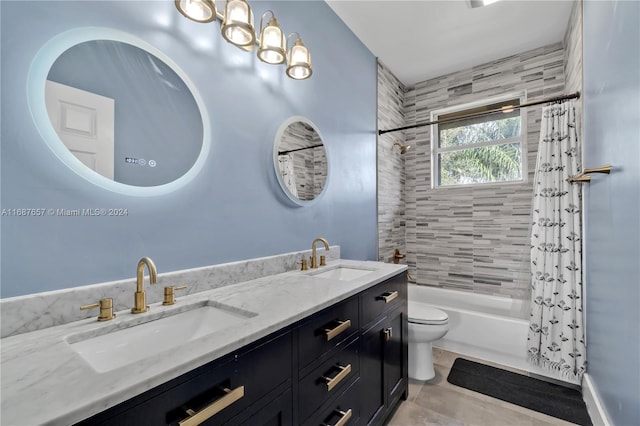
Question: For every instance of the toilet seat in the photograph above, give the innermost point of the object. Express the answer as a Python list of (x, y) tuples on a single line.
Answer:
[(421, 313)]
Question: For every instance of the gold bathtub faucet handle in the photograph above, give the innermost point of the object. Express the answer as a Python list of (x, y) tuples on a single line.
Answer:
[(397, 256), (106, 309), (140, 302), (314, 257), (169, 294)]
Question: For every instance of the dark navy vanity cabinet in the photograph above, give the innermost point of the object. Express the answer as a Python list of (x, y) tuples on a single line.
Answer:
[(345, 365)]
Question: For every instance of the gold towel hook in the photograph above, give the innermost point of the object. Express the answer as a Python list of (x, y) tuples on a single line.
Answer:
[(584, 176)]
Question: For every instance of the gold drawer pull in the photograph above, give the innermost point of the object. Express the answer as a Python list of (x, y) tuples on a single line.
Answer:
[(214, 408), (333, 382), (333, 332), (346, 415), (388, 333), (388, 296)]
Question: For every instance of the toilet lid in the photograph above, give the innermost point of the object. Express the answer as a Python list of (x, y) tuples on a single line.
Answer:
[(421, 313)]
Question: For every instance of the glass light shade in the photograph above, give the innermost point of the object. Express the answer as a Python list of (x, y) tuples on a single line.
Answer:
[(272, 44), (197, 10), (237, 27), (299, 61)]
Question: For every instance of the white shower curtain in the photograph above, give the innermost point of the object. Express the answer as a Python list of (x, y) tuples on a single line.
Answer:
[(556, 328), (287, 173)]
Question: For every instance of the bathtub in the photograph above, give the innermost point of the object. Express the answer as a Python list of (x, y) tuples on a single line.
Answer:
[(492, 328)]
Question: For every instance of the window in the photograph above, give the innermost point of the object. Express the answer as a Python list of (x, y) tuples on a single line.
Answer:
[(484, 149)]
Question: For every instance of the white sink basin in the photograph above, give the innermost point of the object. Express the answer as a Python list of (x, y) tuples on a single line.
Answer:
[(134, 341), (343, 273)]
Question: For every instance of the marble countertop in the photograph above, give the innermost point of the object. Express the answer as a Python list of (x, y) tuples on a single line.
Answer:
[(44, 381)]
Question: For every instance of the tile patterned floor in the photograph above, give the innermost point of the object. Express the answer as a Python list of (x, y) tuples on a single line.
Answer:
[(438, 402)]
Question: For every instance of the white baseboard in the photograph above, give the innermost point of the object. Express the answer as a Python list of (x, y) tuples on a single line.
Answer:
[(591, 398)]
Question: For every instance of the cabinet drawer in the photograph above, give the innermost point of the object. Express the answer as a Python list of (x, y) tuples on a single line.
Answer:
[(329, 379), (345, 410), (273, 412), (220, 391), (383, 297), (327, 329), (258, 371)]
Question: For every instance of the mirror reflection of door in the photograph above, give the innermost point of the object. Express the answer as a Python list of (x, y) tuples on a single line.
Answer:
[(84, 121)]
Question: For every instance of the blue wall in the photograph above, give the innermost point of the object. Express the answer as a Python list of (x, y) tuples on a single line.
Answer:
[(234, 208), (612, 135)]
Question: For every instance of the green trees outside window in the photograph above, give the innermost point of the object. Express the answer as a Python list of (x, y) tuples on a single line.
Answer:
[(497, 162)]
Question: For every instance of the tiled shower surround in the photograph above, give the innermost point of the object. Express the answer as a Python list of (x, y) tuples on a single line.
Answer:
[(475, 238), (391, 181)]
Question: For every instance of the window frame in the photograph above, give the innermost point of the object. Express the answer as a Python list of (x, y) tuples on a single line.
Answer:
[(522, 139)]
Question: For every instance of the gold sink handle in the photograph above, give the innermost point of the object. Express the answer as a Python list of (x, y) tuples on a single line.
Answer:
[(303, 265), (169, 294), (106, 309)]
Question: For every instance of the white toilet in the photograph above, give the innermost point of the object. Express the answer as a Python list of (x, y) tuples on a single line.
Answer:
[(426, 325)]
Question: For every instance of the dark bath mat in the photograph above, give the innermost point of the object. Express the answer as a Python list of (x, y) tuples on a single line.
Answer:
[(548, 398)]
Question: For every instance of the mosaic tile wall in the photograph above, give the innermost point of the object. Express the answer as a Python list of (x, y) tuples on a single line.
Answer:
[(472, 239), (573, 58), (477, 238), (391, 180)]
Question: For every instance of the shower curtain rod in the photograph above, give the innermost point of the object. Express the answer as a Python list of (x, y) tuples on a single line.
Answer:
[(298, 149), (506, 108)]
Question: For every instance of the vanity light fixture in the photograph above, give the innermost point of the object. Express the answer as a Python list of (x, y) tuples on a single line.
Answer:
[(273, 45), (298, 59), (237, 28), (197, 10)]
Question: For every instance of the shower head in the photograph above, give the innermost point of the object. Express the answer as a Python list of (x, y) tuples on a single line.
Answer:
[(403, 148)]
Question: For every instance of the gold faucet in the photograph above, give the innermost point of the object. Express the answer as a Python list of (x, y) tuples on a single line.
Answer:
[(314, 258), (140, 302)]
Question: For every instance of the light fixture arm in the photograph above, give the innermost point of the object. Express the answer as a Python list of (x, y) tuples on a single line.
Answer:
[(273, 17), (289, 38)]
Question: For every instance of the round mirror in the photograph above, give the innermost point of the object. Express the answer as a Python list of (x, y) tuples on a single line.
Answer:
[(118, 112), (300, 160)]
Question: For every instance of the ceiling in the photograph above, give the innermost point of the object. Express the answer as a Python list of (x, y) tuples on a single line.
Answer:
[(422, 39)]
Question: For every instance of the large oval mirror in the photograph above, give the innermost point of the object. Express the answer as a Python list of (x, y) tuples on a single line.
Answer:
[(300, 160), (121, 112)]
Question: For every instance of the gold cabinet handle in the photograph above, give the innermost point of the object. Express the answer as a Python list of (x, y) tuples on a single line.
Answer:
[(388, 334), (346, 415), (333, 382), (195, 418), (388, 296), (333, 332)]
